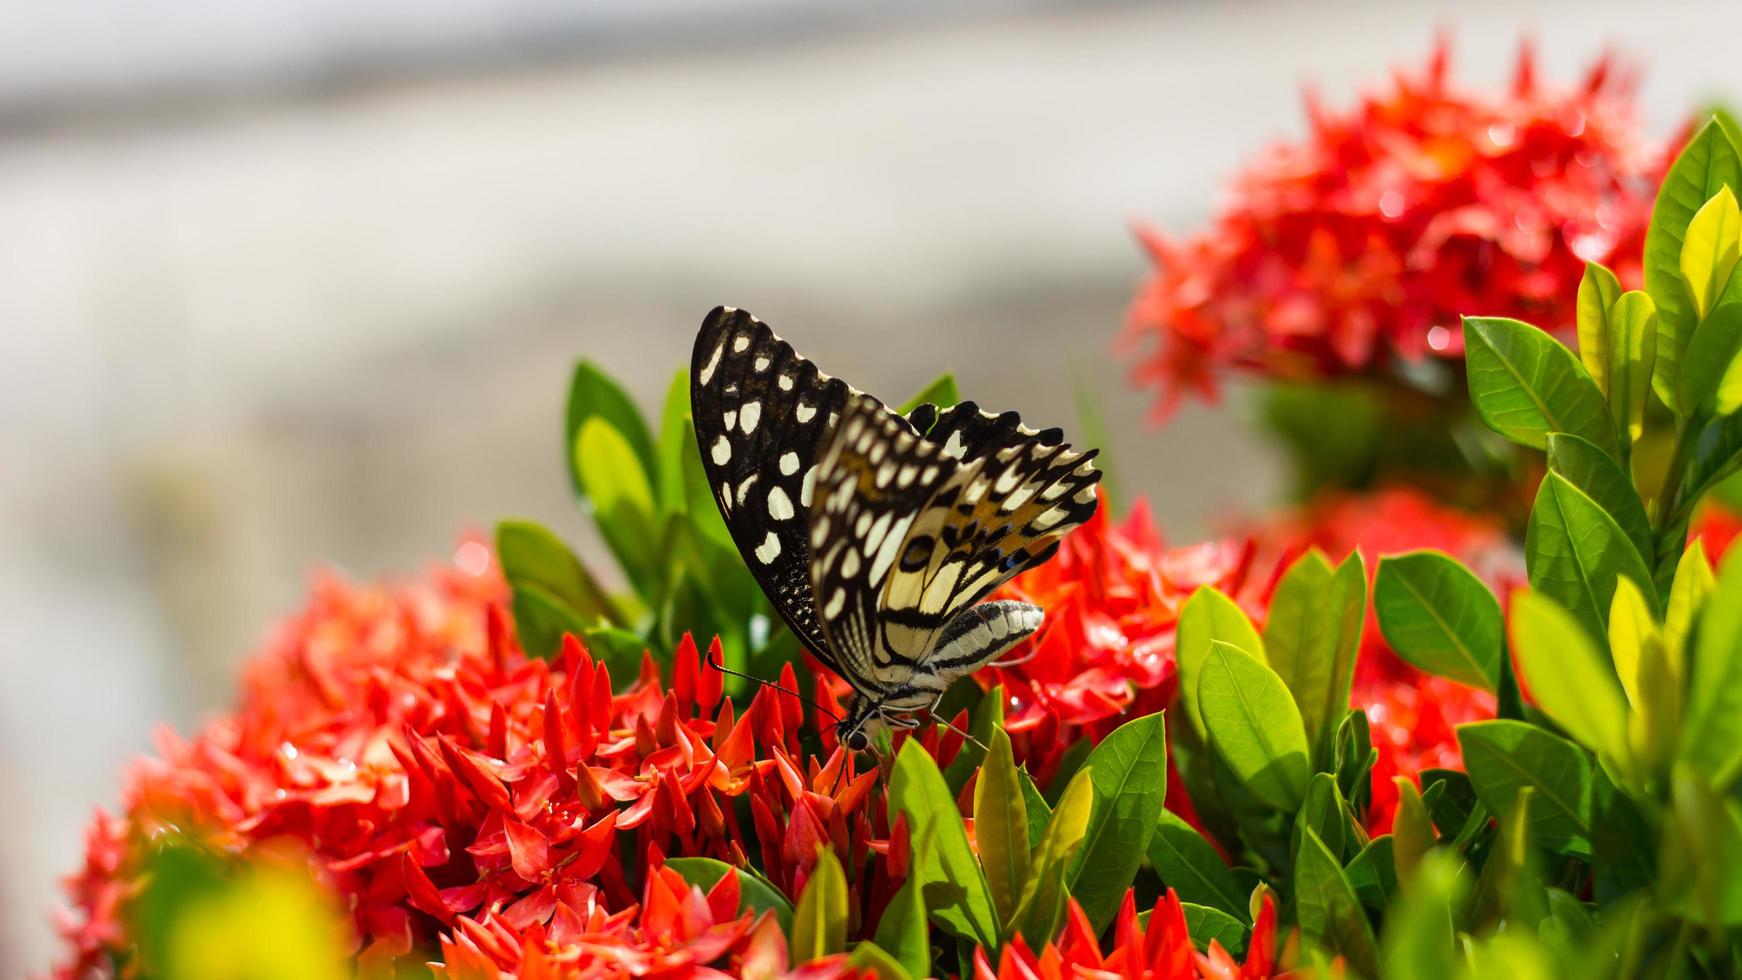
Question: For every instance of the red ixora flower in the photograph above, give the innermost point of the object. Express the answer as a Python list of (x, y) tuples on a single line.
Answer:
[(1412, 715), (1361, 245), (1105, 655), (1156, 949), (465, 798)]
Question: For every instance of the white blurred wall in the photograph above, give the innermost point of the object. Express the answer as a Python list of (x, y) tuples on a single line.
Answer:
[(300, 284)]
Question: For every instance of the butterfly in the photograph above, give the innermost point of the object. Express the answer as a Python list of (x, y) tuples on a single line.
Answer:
[(876, 535)]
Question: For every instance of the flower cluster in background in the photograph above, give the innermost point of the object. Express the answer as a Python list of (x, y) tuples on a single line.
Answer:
[(1359, 246)]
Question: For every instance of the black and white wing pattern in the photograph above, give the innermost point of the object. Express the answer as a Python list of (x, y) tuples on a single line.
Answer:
[(908, 534), (762, 414)]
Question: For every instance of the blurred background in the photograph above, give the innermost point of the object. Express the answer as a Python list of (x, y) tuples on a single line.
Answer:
[(299, 285)]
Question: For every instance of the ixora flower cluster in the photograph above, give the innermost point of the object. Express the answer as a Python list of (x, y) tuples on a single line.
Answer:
[(1368, 735)]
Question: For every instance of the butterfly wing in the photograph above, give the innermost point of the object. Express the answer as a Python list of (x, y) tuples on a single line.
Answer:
[(762, 414)]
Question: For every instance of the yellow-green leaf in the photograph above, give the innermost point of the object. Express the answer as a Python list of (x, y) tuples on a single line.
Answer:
[(1632, 628), (1712, 737), (917, 789), (819, 921), (1707, 163), (617, 488), (1412, 832), (1567, 675), (1209, 615), (1254, 726), (1632, 355), (903, 931), (869, 957), (1001, 826), (1709, 251), (1710, 379), (1130, 782), (1694, 581), (1311, 638), (1598, 291), (1043, 895), (1330, 913)]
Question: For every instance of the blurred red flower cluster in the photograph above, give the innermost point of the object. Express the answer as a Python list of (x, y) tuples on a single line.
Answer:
[(1361, 245), (468, 799), (1158, 948)]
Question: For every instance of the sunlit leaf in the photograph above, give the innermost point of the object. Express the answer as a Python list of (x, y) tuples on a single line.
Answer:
[(1208, 615), (1189, 864), (1439, 616), (1412, 833), (916, 789), (1205, 923), (941, 392), (1043, 896), (1254, 726), (1566, 672), (1707, 163), (1712, 733), (1709, 251), (1419, 933), (1694, 582), (903, 932), (1710, 383), (1598, 291), (1330, 912), (617, 487), (1323, 812), (1603, 480), (1505, 757), (1574, 551), (819, 921), (1001, 825), (1525, 384), (1311, 637), (1130, 783), (1632, 355), (594, 395), (870, 957)]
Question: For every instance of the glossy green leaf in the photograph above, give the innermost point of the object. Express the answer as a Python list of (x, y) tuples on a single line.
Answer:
[(1570, 678), (1449, 798), (1311, 638), (1412, 832), (916, 789), (1706, 164), (1709, 383), (1633, 630), (541, 619), (1420, 937), (1039, 811), (941, 392), (1208, 615), (988, 717), (1373, 875), (754, 891), (1355, 759), (1440, 617), (617, 488), (1130, 784), (1694, 582), (1041, 908), (676, 440), (1632, 355), (1324, 813), (531, 555), (1001, 825), (1254, 726), (1329, 911), (1205, 923), (1709, 251), (1574, 551), (871, 958), (1598, 291), (1602, 479), (1509, 889), (1504, 757), (819, 921), (593, 395), (1525, 384), (1712, 733), (1189, 864), (1704, 852), (903, 932)]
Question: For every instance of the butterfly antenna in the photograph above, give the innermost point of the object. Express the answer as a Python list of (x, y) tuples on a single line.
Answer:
[(940, 720), (722, 668), (1004, 664)]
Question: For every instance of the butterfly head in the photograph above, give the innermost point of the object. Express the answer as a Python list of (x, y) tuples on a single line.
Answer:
[(859, 729)]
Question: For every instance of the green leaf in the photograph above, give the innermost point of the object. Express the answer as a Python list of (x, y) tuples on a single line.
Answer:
[(1208, 615), (1694, 582), (531, 555), (1420, 937), (1189, 864), (1712, 733), (541, 619), (1043, 896), (1505, 757), (1572, 681), (1412, 832), (676, 440), (1130, 784), (869, 957), (616, 486), (1711, 380), (1254, 726), (1709, 251), (1311, 638), (1598, 291), (1439, 616), (1509, 889), (593, 395), (1330, 912), (1706, 164), (819, 923), (1449, 798), (1355, 759), (1001, 826), (1039, 812), (917, 790), (1703, 853), (1603, 480), (1373, 873), (1574, 551), (903, 932), (1633, 630), (1205, 923), (1323, 812), (988, 718), (1632, 355), (941, 392), (754, 891), (1526, 384)]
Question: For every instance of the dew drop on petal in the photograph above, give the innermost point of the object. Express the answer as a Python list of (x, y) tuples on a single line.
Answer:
[(1391, 204), (1439, 338), (1501, 134)]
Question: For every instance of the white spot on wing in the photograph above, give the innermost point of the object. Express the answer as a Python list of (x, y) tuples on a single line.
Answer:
[(722, 451), (769, 549), (850, 564), (741, 343), (761, 364), (779, 504), (707, 372), (786, 382), (749, 416), (788, 463), (730, 417), (804, 412), (836, 601), (805, 488)]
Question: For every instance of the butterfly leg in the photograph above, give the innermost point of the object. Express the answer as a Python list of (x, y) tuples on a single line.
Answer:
[(932, 713)]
